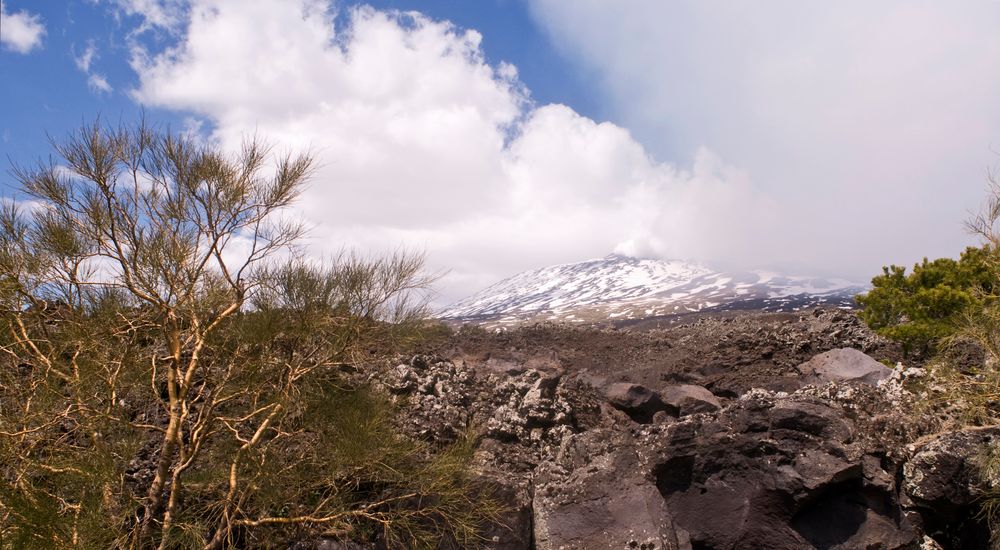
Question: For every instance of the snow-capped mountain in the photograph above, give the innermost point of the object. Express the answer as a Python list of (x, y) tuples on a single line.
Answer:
[(618, 288)]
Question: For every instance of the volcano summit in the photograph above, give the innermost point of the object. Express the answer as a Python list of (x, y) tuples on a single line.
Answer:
[(620, 288)]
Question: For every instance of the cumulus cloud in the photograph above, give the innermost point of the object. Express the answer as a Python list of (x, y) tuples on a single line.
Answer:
[(20, 31), (424, 144), (869, 124)]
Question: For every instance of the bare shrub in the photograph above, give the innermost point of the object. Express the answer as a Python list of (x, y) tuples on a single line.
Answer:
[(168, 382)]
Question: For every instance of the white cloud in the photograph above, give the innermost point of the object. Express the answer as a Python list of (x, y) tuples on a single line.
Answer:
[(422, 143), (96, 82), (869, 124), (84, 60), (155, 14), (20, 31)]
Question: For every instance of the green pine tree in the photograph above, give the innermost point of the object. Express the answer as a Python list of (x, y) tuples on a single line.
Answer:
[(921, 308)]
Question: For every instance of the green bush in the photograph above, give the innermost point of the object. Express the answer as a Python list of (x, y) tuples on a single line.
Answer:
[(923, 307)]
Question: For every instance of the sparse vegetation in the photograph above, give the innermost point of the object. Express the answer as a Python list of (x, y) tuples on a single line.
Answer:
[(971, 390), (169, 381), (949, 307)]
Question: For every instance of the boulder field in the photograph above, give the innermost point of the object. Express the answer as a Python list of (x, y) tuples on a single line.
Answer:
[(818, 452)]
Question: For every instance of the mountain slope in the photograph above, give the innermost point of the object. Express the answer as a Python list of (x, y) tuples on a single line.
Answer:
[(619, 288)]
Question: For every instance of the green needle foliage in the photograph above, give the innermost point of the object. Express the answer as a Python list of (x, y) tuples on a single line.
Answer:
[(165, 382), (921, 308)]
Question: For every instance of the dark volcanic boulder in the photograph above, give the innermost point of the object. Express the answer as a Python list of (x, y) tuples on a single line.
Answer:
[(639, 402), (690, 399), (942, 486), (842, 365), (777, 473), (769, 471), (585, 500)]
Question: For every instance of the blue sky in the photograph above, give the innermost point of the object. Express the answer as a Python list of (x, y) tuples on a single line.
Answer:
[(803, 136), (45, 92)]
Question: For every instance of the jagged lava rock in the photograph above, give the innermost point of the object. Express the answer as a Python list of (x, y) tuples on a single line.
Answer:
[(820, 465), (779, 473), (942, 486), (842, 365)]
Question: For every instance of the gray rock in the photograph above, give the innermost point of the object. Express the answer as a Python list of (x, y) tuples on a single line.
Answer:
[(510, 368), (420, 362), (639, 402), (514, 530), (811, 417), (401, 380), (942, 485), (662, 417), (690, 399), (777, 473), (604, 504), (843, 365), (537, 405)]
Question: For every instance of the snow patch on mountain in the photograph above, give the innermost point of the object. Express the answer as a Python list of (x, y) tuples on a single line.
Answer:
[(619, 287)]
